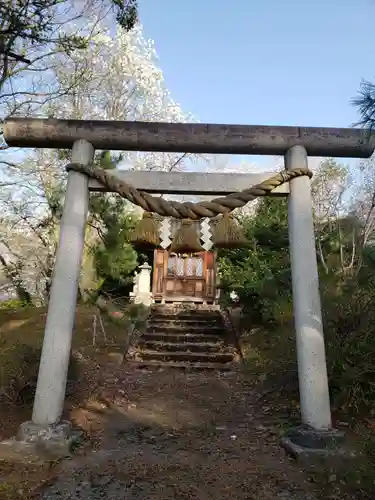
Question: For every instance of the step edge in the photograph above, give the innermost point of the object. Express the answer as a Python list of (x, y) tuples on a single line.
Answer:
[(184, 353)]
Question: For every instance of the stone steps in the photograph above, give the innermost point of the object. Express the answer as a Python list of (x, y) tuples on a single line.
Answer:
[(180, 337), (186, 320), (189, 339), (159, 345), (173, 321), (217, 357), (167, 328), (187, 316), (182, 365)]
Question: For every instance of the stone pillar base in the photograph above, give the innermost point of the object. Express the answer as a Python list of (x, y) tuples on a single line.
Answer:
[(39, 443), (144, 298), (311, 447)]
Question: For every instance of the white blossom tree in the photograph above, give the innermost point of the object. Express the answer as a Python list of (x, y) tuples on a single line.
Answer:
[(121, 80), (33, 31), (344, 213), (118, 79)]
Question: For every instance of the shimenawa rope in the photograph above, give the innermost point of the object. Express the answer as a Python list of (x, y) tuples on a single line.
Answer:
[(187, 210)]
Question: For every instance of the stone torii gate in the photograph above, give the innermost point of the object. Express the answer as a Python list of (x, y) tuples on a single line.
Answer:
[(83, 137)]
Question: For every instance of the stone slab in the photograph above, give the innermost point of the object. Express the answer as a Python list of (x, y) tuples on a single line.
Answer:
[(39, 443), (310, 447)]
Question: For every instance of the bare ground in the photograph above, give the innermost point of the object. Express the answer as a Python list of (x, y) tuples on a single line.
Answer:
[(170, 435), (164, 434)]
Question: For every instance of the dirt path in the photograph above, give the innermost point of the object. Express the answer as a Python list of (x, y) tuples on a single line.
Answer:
[(169, 435)]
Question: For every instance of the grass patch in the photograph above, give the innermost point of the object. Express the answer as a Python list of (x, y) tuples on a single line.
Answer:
[(21, 339)]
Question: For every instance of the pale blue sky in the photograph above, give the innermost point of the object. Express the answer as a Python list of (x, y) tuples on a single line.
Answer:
[(264, 61)]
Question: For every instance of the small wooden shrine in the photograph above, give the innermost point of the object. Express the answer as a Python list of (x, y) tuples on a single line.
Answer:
[(184, 277), (185, 266)]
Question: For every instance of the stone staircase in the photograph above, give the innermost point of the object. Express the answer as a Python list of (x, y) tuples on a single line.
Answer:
[(187, 338)]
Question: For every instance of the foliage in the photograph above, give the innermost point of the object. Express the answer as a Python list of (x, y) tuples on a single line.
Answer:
[(260, 275), (29, 24), (113, 219), (118, 78), (11, 271), (365, 102), (30, 230), (346, 264), (115, 77), (127, 13), (350, 332), (34, 36), (13, 304), (115, 259), (132, 318), (137, 311)]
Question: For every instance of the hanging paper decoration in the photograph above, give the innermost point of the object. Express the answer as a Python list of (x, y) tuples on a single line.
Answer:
[(186, 238), (206, 234), (227, 233), (165, 232), (146, 233)]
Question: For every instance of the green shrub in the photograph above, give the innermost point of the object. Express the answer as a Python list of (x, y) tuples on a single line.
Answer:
[(349, 321), (349, 329), (13, 304), (260, 274)]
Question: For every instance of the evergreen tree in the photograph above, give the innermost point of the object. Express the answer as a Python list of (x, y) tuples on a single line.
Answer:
[(261, 272), (365, 102), (114, 257)]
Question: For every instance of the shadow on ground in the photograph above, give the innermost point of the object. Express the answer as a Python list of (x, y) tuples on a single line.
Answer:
[(164, 435)]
